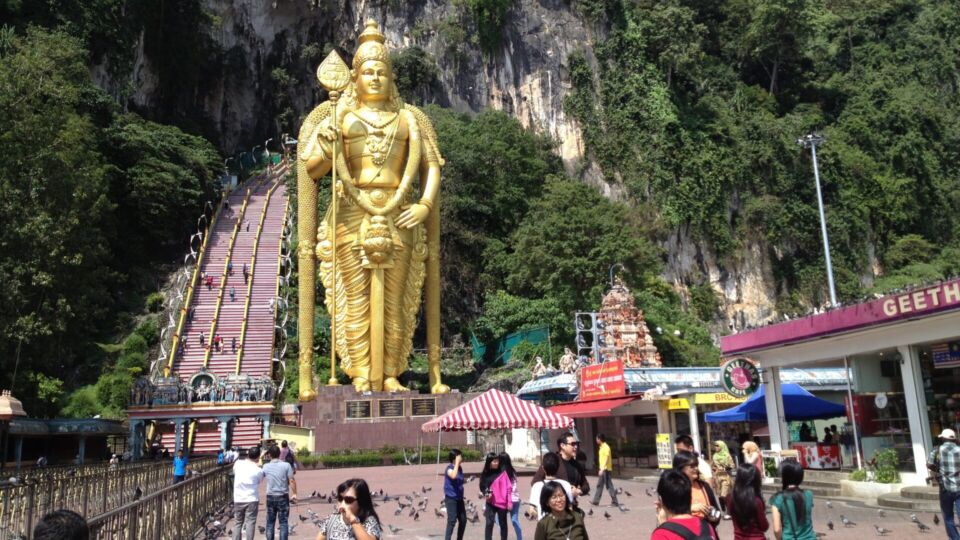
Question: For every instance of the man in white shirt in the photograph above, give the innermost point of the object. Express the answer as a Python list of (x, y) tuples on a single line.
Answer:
[(684, 443), (246, 499), (551, 464)]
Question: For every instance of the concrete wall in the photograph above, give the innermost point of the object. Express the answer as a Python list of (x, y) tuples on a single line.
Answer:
[(301, 437)]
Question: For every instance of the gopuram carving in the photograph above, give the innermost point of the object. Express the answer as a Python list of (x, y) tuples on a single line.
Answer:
[(627, 337)]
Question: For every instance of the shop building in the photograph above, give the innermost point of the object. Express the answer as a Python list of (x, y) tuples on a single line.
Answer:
[(903, 353)]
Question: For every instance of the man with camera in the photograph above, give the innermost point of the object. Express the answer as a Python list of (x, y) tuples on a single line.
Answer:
[(944, 461)]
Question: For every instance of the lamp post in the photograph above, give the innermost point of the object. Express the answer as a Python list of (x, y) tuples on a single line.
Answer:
[(811, 141)]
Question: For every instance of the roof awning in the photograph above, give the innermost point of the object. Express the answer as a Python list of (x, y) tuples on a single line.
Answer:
[(593, 409)]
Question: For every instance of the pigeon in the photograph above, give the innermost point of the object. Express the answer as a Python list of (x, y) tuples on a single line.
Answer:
[(829, 504), (473, 518), (398, 512), (590, 512), (416, 516), (619, 490), (302, 518), (137, 493), (628, 493), (623, 508), (394, 530), (922, 526), (263, 530), (290, 527), (412, 511), (381, 492), (425, 489), (846, 521), (403, 504), (881, 513), (830, 524), (438, 513), (880, 530), (913, 518), (409, 498), (314, 494), (820, 535), (606, 514), (936, 519), (647, 490), (471, 478)]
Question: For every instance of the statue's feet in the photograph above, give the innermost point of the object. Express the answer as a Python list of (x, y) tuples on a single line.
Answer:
[(439, 389), (391, 384), (361, 384)]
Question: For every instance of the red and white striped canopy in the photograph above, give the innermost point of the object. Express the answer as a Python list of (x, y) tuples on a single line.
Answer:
[(494, 409)]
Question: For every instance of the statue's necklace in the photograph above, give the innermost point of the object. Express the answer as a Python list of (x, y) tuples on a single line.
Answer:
[(378, 142)]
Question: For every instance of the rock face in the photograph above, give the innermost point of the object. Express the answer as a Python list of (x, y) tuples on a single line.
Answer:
[(527, 78)]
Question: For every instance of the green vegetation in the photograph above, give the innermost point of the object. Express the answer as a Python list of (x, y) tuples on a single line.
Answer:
[(94, 201), (696, 108)]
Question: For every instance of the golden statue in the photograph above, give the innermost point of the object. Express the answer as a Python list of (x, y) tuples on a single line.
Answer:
[(375, 262)]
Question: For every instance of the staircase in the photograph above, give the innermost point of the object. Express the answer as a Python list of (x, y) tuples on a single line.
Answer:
[(247, 231), (913, 498)]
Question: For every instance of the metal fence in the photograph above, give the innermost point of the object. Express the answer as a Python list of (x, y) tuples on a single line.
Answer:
[(90, 490), (176, 512)]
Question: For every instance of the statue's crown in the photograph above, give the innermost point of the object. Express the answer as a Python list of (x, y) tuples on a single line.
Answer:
[(372, 46)]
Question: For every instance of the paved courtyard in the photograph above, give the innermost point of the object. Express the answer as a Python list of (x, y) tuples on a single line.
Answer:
[(637, 522)]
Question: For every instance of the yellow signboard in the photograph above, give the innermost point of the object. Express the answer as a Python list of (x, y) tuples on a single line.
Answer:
[(664, 451), (716, 397), (678, 404)]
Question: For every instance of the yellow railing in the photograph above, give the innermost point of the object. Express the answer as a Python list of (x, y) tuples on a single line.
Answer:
[(175, 342), (223, 279), (253, 262)]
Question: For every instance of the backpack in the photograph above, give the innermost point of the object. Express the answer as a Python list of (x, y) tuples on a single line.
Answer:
[(683, 532), (291, 460)]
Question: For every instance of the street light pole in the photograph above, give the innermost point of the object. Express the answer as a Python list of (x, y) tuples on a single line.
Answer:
[(811, 141)]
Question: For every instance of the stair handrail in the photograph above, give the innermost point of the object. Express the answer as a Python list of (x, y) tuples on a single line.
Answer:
[(276, 294), (223, 279), (188, 298), (253, 263)]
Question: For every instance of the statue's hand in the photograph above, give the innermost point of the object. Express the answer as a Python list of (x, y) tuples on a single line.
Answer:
[(413, 216)]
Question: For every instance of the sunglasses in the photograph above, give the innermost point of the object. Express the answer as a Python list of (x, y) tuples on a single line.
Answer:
[(347, 499), (572, 443)]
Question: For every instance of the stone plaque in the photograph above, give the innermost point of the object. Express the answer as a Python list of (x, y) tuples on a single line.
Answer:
[(423, 407), (390, 408), (358, 409)]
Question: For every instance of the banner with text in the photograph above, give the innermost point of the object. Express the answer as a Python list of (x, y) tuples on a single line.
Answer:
[(602, 380)]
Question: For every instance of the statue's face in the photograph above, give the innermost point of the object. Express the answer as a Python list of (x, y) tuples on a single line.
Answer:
[(374, 81)]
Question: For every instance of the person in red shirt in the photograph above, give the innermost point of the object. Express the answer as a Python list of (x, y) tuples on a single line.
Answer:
[(746, 506), (674, 521)]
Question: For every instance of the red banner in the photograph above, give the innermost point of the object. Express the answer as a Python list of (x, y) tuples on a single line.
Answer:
[(602, 380)]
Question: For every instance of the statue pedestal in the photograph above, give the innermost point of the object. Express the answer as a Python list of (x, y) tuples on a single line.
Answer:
[(344, 418)]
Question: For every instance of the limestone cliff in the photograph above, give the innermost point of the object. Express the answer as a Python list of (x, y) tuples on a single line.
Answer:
[(527, 77)]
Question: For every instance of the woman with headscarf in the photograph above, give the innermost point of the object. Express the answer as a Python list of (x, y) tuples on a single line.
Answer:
[(721, 465), (751, 454)]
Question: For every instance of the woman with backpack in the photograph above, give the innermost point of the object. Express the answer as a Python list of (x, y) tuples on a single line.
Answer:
[(497, 491), (746, 506), (703, 502), (792, 507), (507, 467)]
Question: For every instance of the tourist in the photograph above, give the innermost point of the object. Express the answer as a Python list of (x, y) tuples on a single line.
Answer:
[(944, 461), (684, 443), (221, 455), (674, 520), (551, 463), (61, 525), (721, 466), (490, 474), (179, 467), (114, 461), (563, 522), (233, 344), (805, 433), (233, 294), (571, 469), (453, 496), (506, 465), (229, 268), (752, 455), (246, 499), (792, 507), (746, 506), (355, 517), (827, 436), (703, 501), (203, 339), (604, 471), (281, 490)]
